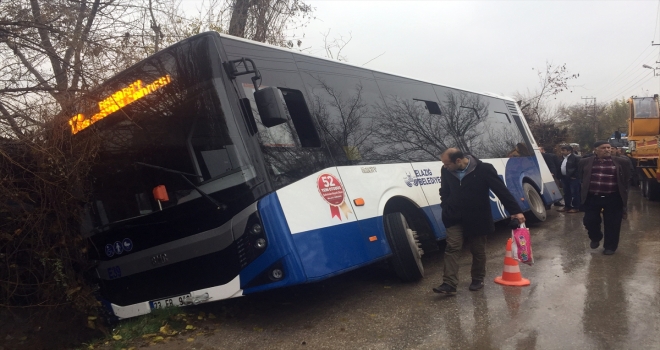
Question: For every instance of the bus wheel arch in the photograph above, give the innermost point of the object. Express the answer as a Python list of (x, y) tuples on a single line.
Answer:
[(405, 226), (537, 208)]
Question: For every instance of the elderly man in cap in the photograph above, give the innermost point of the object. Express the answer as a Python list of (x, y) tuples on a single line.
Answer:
[(604, 189)]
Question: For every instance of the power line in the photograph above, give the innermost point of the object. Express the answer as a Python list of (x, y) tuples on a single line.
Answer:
[(629, 87), (623, 76)]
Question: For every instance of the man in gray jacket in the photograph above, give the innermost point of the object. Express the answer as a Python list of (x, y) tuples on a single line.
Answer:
[(604, 189)]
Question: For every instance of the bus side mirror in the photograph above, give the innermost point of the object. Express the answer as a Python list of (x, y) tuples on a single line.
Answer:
[(617, 135), (271, 106)]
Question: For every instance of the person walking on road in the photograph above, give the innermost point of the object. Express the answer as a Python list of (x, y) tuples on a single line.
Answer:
[(569, 180), (466, 213), (604, 189)]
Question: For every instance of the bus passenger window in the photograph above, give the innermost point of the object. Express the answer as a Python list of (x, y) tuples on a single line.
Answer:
[(431, 106), (301, 118)]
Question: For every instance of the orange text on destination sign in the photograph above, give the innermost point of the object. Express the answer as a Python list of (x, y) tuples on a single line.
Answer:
[(117, 100)]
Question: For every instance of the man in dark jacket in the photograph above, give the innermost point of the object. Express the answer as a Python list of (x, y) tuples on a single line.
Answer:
[(465, 203), (551, 161), (569, 179), (604, 189)]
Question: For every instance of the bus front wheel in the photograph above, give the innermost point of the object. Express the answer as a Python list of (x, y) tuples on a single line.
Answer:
[(406, 251), (537, 212)]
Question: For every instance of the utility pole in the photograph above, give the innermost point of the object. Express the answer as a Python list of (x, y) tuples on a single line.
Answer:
[(587, 104)]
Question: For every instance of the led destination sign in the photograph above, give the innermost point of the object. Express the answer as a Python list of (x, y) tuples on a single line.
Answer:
[(117, 100)]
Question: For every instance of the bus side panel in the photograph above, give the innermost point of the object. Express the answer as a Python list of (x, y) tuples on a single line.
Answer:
[(496, 207), (427, 176), (376, 185), (325, 230), (280, 248), (519, 168), (332, 250)]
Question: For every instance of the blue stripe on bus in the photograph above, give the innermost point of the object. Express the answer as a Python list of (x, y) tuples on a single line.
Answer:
[(280, 247), (434, 215), (336, 249)]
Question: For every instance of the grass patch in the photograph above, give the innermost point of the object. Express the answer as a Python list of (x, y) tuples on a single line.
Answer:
[(134, 328)]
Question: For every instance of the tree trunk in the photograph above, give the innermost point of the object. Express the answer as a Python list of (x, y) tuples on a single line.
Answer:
[(239, 17)]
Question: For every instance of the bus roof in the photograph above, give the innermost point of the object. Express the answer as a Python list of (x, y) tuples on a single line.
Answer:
[(353, 65)]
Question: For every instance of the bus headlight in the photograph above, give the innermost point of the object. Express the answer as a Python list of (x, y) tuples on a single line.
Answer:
[(256, 229), (276, 274), (260, 243)]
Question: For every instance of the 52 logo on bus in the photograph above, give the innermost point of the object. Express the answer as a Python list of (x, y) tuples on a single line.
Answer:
[(332, 191)]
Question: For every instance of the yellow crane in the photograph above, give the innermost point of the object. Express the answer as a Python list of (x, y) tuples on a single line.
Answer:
[(643, 134)]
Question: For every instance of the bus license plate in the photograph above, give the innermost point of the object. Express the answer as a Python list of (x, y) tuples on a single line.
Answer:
[(169, 302)]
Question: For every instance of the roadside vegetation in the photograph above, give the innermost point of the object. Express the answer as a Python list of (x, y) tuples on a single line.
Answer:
[(52, 52)]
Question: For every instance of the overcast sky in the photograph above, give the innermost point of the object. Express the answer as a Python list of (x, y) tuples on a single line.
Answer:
[(492, 46)]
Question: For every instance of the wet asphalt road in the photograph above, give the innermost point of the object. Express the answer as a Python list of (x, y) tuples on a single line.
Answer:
[(578, 299)]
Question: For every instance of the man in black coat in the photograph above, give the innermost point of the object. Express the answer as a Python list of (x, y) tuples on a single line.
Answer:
[(553, 163), (551, 160), (465, 203)]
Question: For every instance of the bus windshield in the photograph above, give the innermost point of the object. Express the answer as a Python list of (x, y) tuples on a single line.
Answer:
[(173, 120)]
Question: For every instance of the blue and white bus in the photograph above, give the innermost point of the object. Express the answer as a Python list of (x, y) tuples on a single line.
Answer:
[(227, 167)]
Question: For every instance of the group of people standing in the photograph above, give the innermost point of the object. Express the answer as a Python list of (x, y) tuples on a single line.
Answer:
[(594, 184)]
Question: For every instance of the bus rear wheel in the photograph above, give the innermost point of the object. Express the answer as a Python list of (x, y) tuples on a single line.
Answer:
[(537, 212), (406, 251)]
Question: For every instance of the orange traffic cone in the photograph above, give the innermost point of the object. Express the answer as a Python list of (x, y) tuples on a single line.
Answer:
[(511, 275)]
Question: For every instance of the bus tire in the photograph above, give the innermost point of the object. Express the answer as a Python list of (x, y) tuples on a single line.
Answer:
[(644, 188), (537, 212), (407, 254), (652, 190)]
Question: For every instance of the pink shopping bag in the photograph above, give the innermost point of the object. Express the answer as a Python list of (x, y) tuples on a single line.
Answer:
[(521, 248)]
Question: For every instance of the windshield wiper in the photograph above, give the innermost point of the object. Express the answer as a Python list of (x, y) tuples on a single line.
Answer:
[(218, 205)]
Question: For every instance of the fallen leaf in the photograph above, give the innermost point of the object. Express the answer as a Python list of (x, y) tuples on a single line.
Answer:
[(190, 327), (190, 340), (167, 330), (72, 290), (131, 348), (149, 335), (158, 338), (91, 347), (91, 318), (201, 315), (116, 337)]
